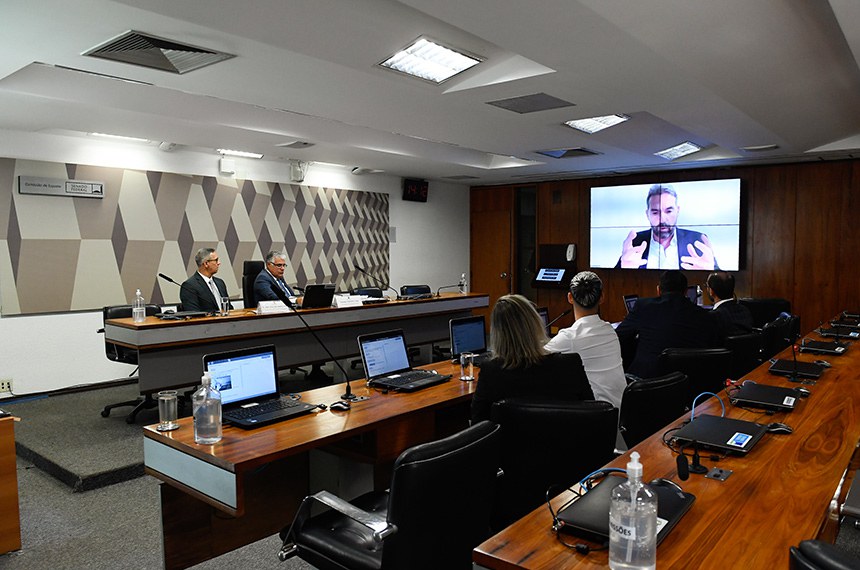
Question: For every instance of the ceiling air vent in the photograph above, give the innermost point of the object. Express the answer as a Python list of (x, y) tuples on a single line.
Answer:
[(567, 152), (531, 103), (149, 51), (460, 177)]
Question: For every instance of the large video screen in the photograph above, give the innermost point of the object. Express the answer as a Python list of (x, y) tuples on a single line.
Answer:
[(673, 225)]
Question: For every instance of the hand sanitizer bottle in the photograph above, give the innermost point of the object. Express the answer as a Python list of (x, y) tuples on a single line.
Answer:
[(463, 286), (633, 522), (206, 403), (138, 308)]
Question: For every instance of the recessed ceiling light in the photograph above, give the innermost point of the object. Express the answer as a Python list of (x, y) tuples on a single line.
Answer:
[(429, 61), (120, 137), (239, 153), (679, 150), (593, 124)]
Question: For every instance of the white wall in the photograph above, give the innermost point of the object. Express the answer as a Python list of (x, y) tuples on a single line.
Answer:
[(50, 352)]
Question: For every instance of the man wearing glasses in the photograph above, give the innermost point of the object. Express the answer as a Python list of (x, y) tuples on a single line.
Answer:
[(203, 291), (271, 276)]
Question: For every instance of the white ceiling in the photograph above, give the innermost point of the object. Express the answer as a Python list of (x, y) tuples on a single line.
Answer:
[(724, 74)]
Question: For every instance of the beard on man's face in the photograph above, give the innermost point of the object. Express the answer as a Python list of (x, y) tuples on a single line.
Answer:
[(663, 230)]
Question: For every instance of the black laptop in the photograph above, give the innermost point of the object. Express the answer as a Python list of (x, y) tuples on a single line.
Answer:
[(764, 396), (318, 296), (543, 312), (823, 347), (788, 367), (848, 333), (467, 335), (588, 516), (248, 381), (630, 302), (386, 363), (724, 434)]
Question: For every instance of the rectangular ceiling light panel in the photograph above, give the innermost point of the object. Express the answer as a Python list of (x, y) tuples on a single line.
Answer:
[(678, 151), (592, 125), (429, 61)]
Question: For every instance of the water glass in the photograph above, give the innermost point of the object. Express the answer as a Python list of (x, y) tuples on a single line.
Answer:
[(168, 410), (467, 366), (225, 306)]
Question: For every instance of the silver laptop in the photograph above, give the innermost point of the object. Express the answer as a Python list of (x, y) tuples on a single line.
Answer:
[(468, 335), (386, 363)]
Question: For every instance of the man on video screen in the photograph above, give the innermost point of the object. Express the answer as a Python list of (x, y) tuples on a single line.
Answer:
[(666, 246)]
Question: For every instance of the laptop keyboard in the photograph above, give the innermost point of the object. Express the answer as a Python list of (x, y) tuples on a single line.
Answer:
[(408, 377), (264, 408)]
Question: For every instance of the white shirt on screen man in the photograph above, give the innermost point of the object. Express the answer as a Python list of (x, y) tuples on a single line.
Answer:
[(597, 344), (660, 258)]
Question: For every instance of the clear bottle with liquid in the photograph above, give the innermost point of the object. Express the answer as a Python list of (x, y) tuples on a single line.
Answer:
[(206, 405), (462, 285), (633, 522), (700, 301), (138, 308)]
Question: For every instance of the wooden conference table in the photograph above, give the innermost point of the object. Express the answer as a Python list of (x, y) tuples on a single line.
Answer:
[(170, 352), (784, 491)]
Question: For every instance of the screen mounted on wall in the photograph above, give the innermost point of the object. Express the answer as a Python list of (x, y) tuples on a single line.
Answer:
[(674, 225)]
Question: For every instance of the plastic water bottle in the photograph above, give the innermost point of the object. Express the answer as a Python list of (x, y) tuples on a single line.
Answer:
[(463, 286), (699, 298), (633, 522), (206, 403), (138, 308)]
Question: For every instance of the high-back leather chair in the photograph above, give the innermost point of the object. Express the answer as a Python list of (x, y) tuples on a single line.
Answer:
[(820, 555), (250, 270), (369, 291), (778, 334), (119, 353), (534, 455), (435, 512), (706, 368), (746, 353), (764, 310), (408, 290), (649, 405)]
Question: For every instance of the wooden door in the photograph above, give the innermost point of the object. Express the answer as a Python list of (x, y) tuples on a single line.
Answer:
[(491, 255)]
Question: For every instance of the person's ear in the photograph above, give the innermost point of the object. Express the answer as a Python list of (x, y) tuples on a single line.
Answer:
[(570, 297), (658, 291)]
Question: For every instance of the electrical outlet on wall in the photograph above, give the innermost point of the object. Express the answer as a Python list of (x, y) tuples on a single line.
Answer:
[(6, 385)]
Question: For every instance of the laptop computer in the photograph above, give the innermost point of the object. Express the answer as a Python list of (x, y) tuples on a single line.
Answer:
[(467, 335), (848, 333), (386, 363), (318, 296), (248, 381), (823, 346), (788, 367), (588, 516), (630, 302), (724, 434), (692, 293), (775, 398), (846, 322), (544, 317)]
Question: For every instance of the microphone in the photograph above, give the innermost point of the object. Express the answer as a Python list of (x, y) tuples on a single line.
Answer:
[(564, 314), (445, 287), (375, 278), (348, 395), (166, 278)]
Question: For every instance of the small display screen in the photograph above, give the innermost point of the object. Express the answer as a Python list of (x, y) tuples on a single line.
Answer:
[(547, 275)]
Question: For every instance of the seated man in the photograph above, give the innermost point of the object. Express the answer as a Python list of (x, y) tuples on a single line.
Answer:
[(272, 276), (731, 317), (203, 291), (667, 321), (593, 339)]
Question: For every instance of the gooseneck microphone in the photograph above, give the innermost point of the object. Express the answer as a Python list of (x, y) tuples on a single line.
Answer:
[(378, 280), (166, 278), (561, 316), (348, 395), (445, 287)]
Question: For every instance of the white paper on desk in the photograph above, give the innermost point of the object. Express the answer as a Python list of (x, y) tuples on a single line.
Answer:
[(272, 308), (341, 301)]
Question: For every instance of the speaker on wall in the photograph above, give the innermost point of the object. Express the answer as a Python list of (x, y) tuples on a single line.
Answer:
[(415, 190)]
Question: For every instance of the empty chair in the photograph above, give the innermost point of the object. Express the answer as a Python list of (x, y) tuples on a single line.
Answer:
[(649, 405), (532, 457), (250, 270), (778, 334), (409, 290), (119, 353), (820, 555), (369, 291), (706, 368), (435, 512), (765, 310), (746, 353)]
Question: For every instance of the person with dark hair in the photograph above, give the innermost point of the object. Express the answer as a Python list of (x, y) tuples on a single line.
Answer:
[(203, 291), (521, 366), (666, 246), (593, 339), (669, 320), (731, 317)]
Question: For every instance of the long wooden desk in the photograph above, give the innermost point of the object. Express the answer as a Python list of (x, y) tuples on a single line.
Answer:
[(170, 352), (778, 495), (216, 498)]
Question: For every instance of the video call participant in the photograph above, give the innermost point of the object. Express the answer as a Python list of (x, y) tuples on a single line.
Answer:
[(731, 317), (665, 245), (203, 291), (521, 366), (593, 339), (272, 275), (667, 321)]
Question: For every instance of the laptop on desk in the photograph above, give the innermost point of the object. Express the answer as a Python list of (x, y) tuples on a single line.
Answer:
[(318, 296), (386, 363), (467, 335), (788, 367), (723, 434), (764, 396), (848, 333), (630, 302), (248, 381), (823, 347)]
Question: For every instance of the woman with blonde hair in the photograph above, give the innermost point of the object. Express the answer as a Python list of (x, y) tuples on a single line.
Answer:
[(520, 366)]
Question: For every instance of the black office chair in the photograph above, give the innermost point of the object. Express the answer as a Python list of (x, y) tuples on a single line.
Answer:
[(746, 353), (375, 292), (412, 290), (778, 334), (533, 460), (765, 310), (250, 270), (706, 368), (435, 512), (649, 405), (119, 353), (820, 555)]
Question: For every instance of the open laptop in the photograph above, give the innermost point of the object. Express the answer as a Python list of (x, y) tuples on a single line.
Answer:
[(692, 293), (318, 296), (588, 516), (823, 346), (764, 396), (788, 367), (467, 335), (544, 317), (248, 381), (630, 302), (724, 434), (386, 363)]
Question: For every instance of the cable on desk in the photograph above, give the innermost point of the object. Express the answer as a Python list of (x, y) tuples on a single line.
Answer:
[(696, 399)]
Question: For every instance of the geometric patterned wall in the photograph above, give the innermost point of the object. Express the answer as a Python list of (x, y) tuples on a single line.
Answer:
[(61, 254)]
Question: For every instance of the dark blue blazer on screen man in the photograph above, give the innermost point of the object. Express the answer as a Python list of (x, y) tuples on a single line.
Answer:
[(684, 238), (263, 287), (195, 294)]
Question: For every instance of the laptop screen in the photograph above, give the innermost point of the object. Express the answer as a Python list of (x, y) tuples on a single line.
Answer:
[(467, 335), (544, 317), (243, 374), (630, 301), (693, 294), (383, 353)]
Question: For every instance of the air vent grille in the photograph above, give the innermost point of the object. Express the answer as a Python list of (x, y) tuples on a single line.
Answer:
[(531, 103), (567, 152), (153, 52)]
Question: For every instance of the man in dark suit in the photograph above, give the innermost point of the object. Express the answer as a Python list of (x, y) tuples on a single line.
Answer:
[(271, 276), (666, 246), (731, 317), (667, 321), (203, 291)]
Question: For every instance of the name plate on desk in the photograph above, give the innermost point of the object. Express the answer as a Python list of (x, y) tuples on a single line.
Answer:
[(272, 308), (341, 301)]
